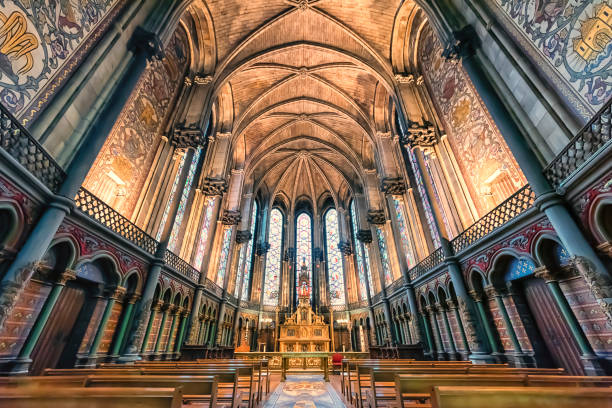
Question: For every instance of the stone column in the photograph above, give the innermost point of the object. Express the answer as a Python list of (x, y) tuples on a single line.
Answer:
[(520, 358), (590, 361), (181, 333), (194, 329), (430, 343), (452, 305), (127, 317), (22, 364), (144, 46), (454, 355), (485, 322), (431, 315), (157, 349), (155, 309), (175, 315)]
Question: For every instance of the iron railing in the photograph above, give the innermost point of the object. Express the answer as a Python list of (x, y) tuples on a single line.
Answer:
[(95, 208), (434, 259), (395, 286), (232, 299), (590, 140), (377, 298), (213, 287), (175, 262), (358, 305), (249, 305), (515, 205), (18, 142)]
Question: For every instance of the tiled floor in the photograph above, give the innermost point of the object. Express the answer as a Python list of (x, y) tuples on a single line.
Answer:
[(304, 391)]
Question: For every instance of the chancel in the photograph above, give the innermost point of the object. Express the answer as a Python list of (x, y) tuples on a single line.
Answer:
[(306, 203)]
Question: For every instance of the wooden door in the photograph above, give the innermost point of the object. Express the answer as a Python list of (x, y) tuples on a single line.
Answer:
[(552, 326), (56, 333)]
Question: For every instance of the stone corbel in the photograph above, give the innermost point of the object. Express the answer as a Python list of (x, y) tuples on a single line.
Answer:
[(66, 276), (376, 217), (364, 236), (262, 248), (146, 41), (200, 79), (405, 78), (231, 217), (213, 186), (188, 136), (393, 186), (243, 236), (345, 248)]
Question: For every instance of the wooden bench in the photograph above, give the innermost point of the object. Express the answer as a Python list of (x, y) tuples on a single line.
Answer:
[(521, 397), (68, 397), (200, 389)]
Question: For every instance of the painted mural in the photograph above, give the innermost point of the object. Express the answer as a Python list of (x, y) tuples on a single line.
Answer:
[(486, 162), (41, 43), (119, 173), (572, 40)]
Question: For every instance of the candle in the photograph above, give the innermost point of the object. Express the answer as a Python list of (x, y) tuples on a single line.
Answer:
[(343, 348)]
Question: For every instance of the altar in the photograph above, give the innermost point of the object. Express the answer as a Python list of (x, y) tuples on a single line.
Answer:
[(304, 331)]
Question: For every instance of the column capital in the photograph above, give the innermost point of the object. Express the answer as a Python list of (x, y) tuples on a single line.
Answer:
[(393, 185), (66, 276), (475, 295), (213, 186), (376, 217), (491, 292), (262, 248), (543, 273), (202, 79), (231, 217), (157, 305), (146, 41), (364, 236), (345, 247), (461, 43), (419, 135), (243, 236), (134, 298), (188, 135), (118, 293), (452, 305)]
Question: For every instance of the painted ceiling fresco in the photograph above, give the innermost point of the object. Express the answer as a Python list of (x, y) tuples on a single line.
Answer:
[(571, 41), (121, 168), (481, 152), (41, 43)]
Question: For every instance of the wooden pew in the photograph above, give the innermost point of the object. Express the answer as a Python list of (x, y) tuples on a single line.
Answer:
[(568, 381), (68, 397), (521, 397), (200, 389), (91, 371)]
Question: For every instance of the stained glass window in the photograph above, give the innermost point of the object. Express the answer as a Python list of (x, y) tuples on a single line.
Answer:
[(164, 219), (246, 258), (303, 233), (334, 258), (428, 213), (404, 231), (436, 193), (384, 255), (204, 233), (183, 203), (273, 259), (363, 261), (361, 267), (224, 257)]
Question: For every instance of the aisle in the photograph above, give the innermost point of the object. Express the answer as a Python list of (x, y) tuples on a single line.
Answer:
[(304, 391)]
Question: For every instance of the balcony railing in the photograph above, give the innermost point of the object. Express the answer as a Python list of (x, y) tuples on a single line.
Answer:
[(18, 142), (249, 305), (434, 259), (377, 298), (396, 285), (107, 216), (213, 287), (358, 305), (590, 140), (182, 267), (516, 204)]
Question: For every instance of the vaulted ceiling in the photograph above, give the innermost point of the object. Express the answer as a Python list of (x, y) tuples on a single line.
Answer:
[(309, 85)]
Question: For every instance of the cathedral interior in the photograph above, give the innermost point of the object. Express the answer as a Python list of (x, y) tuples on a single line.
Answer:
[(212, 176)]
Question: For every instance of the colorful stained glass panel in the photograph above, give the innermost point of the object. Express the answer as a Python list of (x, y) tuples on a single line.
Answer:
[(335, 269), (248, 258), (303, 232), (204, 233), (224, 257), (164, 219), (180, 214), (384, 256), (404, 231), (360, 255), (428, 212), (273, 259)]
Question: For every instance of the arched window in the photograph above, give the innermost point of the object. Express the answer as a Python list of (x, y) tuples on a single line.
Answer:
[(166, 212), (176, 228), (246, 259), (204, 233), (303, 244), (404, 231), (335, 269), (224, 257), (273, 259), (363, 260), (435, 237), (384, 255)]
